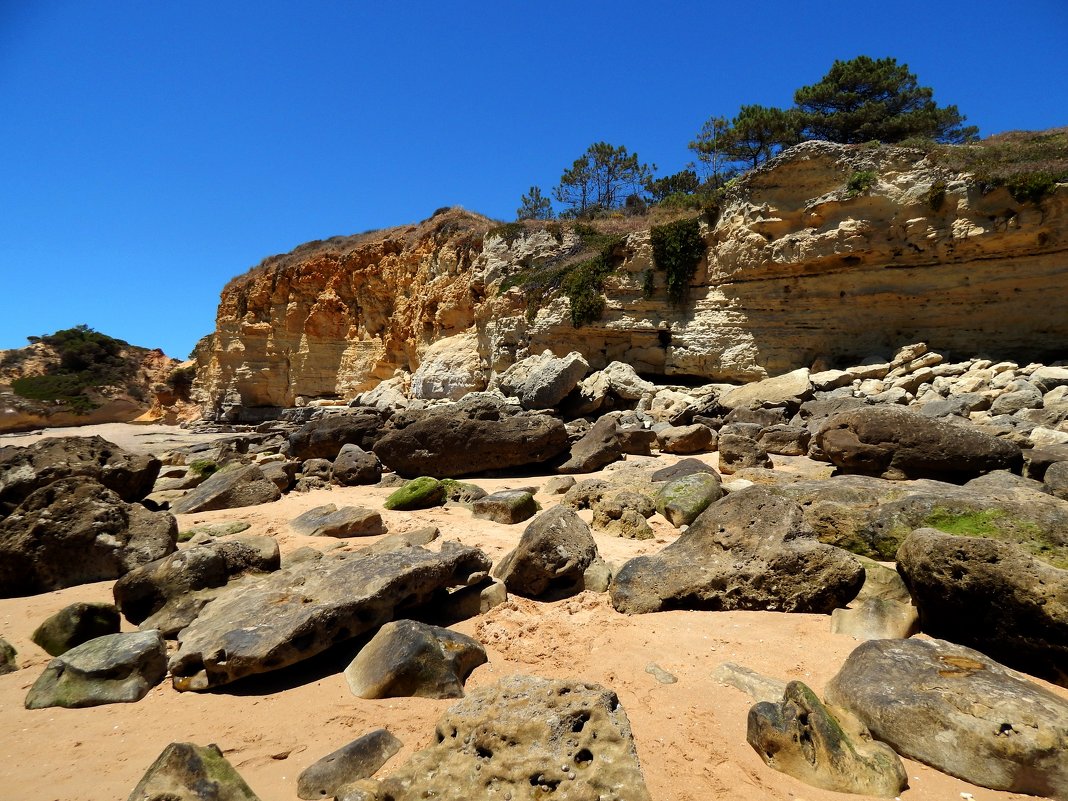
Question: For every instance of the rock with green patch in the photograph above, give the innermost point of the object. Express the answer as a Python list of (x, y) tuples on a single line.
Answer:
[(330, 521), (992, 596), (506, 506), (8, 655), (360, 759), (830, 749), (74, 624), (188, 772), (682, 500), (419, 493), (114, 669), (462, 493), (958, 711)]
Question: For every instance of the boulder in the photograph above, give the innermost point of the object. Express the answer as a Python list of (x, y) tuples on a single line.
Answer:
[(76, 531), (169, 593), (419, 493), (684, 467), (230, 489), (317, 468), (1056, 480), (505, 506), (324, 438), (354, 466), (899, 443), (555, 549), (462, 493), (788, 389), (784, 440), (525, 737), (113, 669), (282, 474), (558, 485), (74, 624), (449, 442), (638, 440), (801, 737), (329, 521), (750, 550), (547, 384), (25, 470), (406, 659), (883, 608), (737, 452), (360, 759), (188, 772), (624, 382), (598, 447), (694, 438), (958, 711), (623, 514), (450, 368), (405, 539), (756, 685), (992, 596), (304, 608), (682, 500), (8, 654)]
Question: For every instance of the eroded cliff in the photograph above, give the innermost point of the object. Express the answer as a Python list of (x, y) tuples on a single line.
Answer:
[(799, 269)]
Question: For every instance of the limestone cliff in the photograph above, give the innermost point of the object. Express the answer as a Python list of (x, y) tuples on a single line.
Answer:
[(799, 269)]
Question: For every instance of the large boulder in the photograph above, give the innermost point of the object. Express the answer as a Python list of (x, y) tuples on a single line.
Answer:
[(113, 669), (354, 466), (75, 531), (551, 556), (450, 368), (406, 658), (598, 447), (419, 493), (329, 521), (230, 489), (992, 596), (188, 772), (543, 381), (24, 470), (74, 624), (360, 759), (505, 506), (526, 737), (750, 550), (788, 389), (303, 609), (323, 438), (448, 442), (895, 442), (694, 438), (958, 711), (684, 498)]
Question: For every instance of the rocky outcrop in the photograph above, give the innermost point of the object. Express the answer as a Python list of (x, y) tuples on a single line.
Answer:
[(798, 269)]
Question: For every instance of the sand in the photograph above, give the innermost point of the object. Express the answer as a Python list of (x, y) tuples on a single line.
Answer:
[(690, 735)]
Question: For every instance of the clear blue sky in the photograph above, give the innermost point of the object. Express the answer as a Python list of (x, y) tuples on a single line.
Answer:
[(153, 150)]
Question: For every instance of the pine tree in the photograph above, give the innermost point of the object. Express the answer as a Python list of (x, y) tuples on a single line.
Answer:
[(534, 206), (601, 179)]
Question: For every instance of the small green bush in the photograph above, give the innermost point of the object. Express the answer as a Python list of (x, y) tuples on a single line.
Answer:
[(677, 250), (861, 181), (202, 468), (1031, 187), (509, 232), (648, 284), (935, 197)]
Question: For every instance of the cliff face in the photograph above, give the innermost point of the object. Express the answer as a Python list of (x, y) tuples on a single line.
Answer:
[(799, 270)]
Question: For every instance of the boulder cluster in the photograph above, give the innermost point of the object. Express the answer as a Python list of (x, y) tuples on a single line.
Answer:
[(793, 493)]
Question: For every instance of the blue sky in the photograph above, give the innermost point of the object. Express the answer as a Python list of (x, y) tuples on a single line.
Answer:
[(153, 150)]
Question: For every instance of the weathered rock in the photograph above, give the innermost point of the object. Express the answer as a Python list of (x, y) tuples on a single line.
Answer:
[(526, 737), (682, 500), (683, 467), (222, 529), (329, 521), (354, 466), (598, 447), (624, 382), (550, 381), (638, 440), (788, 389), (113, 669), (303, 609), (419, 493), (282, 474), (360, 759), (992, 596), (406, 659), (405, 539), (623, 514), (25, 470), (750, 550), (737, 453), (230, 489), (324, 438), (8, 654), (558, 485), (694, 438), (1021, 395), (958, 711), (188, 772), (317, 468), (784, 440), (899, 443), (505, 506), (756, 685), (555, 549), (76, 531), (447, 442), (463, 493), (74, 624), (801, 737), (1056, 480), (883, 608)]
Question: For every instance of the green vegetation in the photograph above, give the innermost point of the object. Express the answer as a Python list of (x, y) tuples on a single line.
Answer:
[(533, 206), (861, 181), (419, 493), (600, 180), (202, 468), (648, 284), (677, 250), (935, 197), (509, 232), (968, 524)]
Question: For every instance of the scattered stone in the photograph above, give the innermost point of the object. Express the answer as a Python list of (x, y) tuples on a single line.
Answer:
[(750, 550), (598, 447), (214, 530), (694, 438), (113, 669), (230, 489), (992, 596), (360, 759), (788, 389), (661, 675), (683, 499), (76, 531), (406, 659), (586, 493), (188, 772), (305, 608), (958, 711), (8, 654), (524, 737), (325, 437), (623, 514), (737, 453), (74, 624), (505, 506), (756, 685), (551, 556), (598, 576), (801, 737), (329, 521), (558, 485)]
